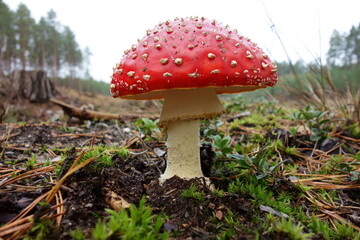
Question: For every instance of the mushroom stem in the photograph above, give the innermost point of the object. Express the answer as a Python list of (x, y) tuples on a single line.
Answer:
[(181, 115), (183, 144), (186, 104)]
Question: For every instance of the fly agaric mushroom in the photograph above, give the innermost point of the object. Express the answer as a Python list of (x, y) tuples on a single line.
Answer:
[(187, 62)]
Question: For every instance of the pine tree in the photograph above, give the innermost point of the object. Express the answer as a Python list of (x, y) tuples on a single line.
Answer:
[(6, 20), (44, 42), (86, 66), (46, 45), (350, 46), (24, 25), (344, 48), (72, 54), (356, 49), (336, 53), (53, 57)]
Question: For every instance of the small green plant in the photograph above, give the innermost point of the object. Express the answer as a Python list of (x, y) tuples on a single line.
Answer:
[(31, 162), (337, 163), (192, 193), (138, 224), (211, 127), (291, 150), (246, 148), (147, 127), (320, 227), (228, 229), (300, 214), (235, 103), (317, 122), (103, 160), (47, 162), (289, 229), (258, 165), (223, 144), (42, 229), (77, 234), (219, 192), (67, 129), (257, 120), (261, 194), (344, 231), (354, 129), (123, 152), (356, 156), (355, 176), (264, 106)]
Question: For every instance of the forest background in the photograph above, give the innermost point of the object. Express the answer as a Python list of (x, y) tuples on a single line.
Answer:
[(50, 46)]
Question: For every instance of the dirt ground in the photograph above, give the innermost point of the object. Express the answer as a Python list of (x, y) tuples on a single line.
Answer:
[(85, 193)]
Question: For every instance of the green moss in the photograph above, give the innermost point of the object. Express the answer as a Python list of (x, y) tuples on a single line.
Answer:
[(287, 228), (139, 223), (262, 195), (257, 120), (193, 193)]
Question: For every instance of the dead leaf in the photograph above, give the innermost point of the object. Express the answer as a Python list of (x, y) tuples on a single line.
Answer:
[(219, 215), (115, 201), (159, 152)]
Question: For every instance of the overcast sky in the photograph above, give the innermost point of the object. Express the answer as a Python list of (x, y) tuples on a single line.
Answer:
[(108, 27)]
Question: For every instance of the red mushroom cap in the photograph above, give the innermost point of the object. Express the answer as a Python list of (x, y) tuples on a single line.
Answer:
[(191, 53)]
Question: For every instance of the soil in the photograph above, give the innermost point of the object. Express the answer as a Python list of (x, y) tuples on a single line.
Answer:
[(85, 193)]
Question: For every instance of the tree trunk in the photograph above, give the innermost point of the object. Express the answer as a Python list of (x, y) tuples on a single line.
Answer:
[(7, 95), (33, 85), (8, 57), (54, 63), (43, 56), (23, 54), (1, 56)]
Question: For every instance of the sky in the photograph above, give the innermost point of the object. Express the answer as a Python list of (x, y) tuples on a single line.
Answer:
[(109, 27)]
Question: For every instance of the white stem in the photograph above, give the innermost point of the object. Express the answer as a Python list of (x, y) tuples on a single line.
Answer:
[(183, 144), (190, 104), (181, 116)]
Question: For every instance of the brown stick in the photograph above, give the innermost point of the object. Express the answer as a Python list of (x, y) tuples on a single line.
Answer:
[(84, 114)]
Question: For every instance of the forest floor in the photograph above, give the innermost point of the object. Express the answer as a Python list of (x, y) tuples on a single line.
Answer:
[(273, 176)]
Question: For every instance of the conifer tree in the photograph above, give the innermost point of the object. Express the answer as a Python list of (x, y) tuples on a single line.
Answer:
[(24, 26), (6, 32)]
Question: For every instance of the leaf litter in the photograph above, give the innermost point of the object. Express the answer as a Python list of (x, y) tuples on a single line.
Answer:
[(78, 194)]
